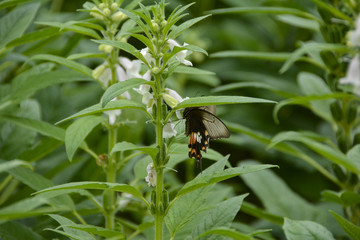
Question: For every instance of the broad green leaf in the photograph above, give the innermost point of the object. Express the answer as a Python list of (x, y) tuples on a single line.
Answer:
[(299, 22), (138, 21), (351, 229), (97, 230), (354, 153), (70, 235), (181, 28), (121, 87), (299, 230), (305, 101), (313, 85), (345, 198), (30, 84), (226, 232), (326, 151), (220, 216), (126, 146), (268, 10), (7, 165), (96, 185), (16, 231), (146, 41), (63, 221), (192, 70), (34, 36), (218, 100), (185, 209), (220, 176), (126, 47), (73, 27), (112, 105), (65, 62), (38, 182), (268, 187), (76, 133), (10, 3), (311, 48), (272, 56), (14, 24)]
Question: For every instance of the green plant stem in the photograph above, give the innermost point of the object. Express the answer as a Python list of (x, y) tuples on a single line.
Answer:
[(159, 217), (109, 199)]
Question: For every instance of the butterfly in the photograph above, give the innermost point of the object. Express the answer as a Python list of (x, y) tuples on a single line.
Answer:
[(202, 125)]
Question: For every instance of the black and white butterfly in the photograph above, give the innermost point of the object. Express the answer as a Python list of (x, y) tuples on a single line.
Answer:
[(202, 125)]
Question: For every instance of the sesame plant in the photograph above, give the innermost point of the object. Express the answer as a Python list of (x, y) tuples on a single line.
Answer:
[(325, 64), (104, 75)]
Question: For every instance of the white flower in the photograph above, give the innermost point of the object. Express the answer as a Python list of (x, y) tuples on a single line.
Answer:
[(132, 67), (147, 55), (353, 75), (355, 35), (151, 177), (169, 130), (113, 114), (176, 100), (105, 77), (180, 56)]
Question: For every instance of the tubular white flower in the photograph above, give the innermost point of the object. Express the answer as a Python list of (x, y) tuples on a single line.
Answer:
[(113, 114), (169, 130), (355, 35), (147, 55), (353, 75), (132, 68), (151, 177), (180, 56)]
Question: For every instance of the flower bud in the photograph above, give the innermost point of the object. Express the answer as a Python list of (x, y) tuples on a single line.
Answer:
[(107, 12), (155, 70), (118, 16), (106, 48), (156, 27), (114, 6), (336, 111), (171, 101), (163, 24), (102, 5), (98, 71), (95, 13), (342, 141)]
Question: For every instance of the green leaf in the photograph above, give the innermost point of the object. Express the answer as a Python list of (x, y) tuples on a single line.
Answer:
[(272, 56), (63, 221), (126, 47), (192, 70), (72, 27), (220, 216), (312, 48), (299, 22), (138, 21), (268, 187), (268, 10), (345, 198), (181, 28), (326, 151), (121, 87), (97, 230), (126, 146), (76, 133), (261, 214), (10, 3), (336, 12), (14, 24), (112, 105), (220, 176), (86, 55), (7, 165), (65, 62), (299, 230), (218, 100), (34, 36), (96, 185), (351, 229), (226, 232), (16, 231)]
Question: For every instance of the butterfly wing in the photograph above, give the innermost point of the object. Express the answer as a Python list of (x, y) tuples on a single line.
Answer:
[(215, 127)]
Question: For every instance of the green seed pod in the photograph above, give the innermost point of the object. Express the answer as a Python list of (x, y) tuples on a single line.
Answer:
[(341, 140), (152, 209), (325, 15), (161, 208), (165, 198), (339, 173), (353, 179), (356, 139), (351, 112), (336, 111), (330, 59)]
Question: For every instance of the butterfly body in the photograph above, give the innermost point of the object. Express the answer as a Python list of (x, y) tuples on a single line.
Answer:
[(202, 125)]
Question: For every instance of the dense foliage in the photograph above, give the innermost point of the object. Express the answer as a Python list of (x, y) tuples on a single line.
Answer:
[(93, 142)]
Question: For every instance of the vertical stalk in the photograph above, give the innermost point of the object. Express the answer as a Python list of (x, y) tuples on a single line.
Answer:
[(109, 198), (159, 164)]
